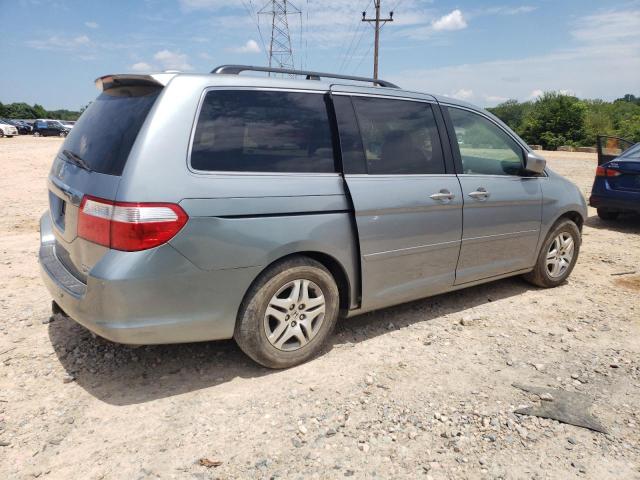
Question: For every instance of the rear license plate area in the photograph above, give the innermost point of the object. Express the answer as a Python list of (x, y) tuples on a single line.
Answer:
[(58, 208)]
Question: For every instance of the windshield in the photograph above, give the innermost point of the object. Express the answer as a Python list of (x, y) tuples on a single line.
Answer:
[(103, 136)]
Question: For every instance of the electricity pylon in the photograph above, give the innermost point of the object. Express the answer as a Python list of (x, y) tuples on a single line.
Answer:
[(280, 50)]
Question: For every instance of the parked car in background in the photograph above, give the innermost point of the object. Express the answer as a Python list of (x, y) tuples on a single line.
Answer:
[(49, 128), (22, 128), (267, 207), (7, 129), (616, 188), (67, 124)]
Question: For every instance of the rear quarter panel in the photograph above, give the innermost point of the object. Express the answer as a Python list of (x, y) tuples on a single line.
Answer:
[(236, 220)]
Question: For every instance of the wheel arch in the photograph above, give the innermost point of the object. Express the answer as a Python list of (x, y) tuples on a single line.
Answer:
[(573, 215), (337, 270)]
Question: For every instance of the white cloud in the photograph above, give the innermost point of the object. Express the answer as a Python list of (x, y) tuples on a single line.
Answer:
[(537, 93), (427, 25), (504, 10), (172, 60), (141, 67), (462, 94), (207, 4), (91, 24), (61, 43), (494, 99), (603, 62), (452, 21), (250, 47), (164, 60), (608, 26)]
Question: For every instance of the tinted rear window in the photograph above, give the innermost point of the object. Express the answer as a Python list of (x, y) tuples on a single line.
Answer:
[(104, 134), (254, 131)]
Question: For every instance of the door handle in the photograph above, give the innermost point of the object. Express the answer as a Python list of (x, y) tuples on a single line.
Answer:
[(480, 194), (442, 195)]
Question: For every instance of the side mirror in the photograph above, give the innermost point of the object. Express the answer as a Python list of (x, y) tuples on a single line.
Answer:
[(534, 163)]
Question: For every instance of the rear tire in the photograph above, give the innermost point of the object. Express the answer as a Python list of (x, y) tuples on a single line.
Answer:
[(553, 265), (1, 134), (275, 327), (36, 134), (62, 134), (607, 215)]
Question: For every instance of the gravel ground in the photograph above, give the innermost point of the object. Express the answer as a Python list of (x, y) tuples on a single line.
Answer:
[(423, 390)]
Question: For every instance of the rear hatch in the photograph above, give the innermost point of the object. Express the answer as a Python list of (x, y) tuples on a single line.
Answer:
[(624, 172), (92, 159)]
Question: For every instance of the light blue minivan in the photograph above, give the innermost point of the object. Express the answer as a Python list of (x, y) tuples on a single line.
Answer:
[(191, 207)]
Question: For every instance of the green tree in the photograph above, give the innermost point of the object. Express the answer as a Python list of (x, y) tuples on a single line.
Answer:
[(630, 99), (629, 128), (598, 120), (512, 113), (554, 120)]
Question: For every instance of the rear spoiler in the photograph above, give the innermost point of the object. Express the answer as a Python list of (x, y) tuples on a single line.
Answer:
[(153, 80)]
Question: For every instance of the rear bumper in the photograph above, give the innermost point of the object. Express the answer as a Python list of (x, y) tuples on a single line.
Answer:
[(617, 204), (149, 297)]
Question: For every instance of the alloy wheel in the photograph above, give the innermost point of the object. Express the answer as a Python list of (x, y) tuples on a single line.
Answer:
[(560, 255), (294, 315)]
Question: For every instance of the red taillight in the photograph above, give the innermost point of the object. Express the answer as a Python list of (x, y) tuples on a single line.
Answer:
[(129, 226), (606, 172)]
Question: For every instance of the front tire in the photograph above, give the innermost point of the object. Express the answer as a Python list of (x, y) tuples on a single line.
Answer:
[(607, 215), (288, 314), (557, 257)]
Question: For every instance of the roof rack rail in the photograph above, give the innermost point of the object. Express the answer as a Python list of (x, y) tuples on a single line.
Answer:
[(237, 69)]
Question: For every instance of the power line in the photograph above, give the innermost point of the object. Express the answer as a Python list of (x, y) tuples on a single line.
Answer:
[(355, 50), (249, 8), (346, 59), (365, 55), (377, 21), (306, 40)]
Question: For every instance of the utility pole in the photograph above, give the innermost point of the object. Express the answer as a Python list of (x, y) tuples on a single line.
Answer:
[(379, 23), (280, 50)]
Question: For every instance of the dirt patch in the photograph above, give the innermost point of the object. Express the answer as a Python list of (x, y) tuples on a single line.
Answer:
[(422, 390), (631, 283)]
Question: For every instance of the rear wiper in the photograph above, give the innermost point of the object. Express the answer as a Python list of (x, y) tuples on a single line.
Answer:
[(77, 160)]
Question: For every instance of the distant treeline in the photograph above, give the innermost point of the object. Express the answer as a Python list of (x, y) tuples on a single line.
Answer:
[(555, 119), (552, 120), (25, 111)]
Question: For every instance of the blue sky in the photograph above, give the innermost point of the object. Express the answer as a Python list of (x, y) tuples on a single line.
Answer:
[(484, 53)]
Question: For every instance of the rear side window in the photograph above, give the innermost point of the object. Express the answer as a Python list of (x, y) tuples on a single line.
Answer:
[(256, 131), (400, 137), (104, 134)]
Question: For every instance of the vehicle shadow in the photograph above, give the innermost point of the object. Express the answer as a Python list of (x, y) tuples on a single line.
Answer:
[(124, 375), (628, 223)]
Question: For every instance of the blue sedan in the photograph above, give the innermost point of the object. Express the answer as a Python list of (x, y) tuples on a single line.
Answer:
[(616, 188)]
